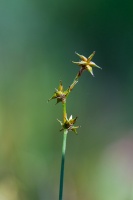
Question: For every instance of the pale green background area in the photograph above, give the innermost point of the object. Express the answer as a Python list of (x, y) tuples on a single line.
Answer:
[(37, 44)]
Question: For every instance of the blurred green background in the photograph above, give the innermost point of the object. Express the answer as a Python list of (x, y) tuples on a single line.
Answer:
[(37, 44)]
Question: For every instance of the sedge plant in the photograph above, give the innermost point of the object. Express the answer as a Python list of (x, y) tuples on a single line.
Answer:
[(61, 95)]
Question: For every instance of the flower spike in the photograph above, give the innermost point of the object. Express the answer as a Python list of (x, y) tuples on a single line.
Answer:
[(59, 94), (69, 124), (86, 63)]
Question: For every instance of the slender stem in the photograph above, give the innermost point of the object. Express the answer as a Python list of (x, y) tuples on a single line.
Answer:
[(75, 81), (63, 152), (62, 164), (64, 110)]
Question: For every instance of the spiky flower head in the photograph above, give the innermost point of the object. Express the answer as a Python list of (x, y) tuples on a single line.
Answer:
[(86, 63), (69, 124), (59, 94)]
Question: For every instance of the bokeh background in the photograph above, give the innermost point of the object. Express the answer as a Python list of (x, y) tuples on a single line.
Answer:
[(38, 39)]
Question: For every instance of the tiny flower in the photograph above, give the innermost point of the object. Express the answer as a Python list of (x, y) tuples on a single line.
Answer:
[(69, 124), (86, 63), (59, 94)]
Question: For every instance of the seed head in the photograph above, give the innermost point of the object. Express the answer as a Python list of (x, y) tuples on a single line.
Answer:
[(86, 63), (69, 124), (59, 94)]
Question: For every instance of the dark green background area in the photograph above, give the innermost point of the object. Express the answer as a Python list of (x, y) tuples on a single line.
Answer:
[(38, 40)]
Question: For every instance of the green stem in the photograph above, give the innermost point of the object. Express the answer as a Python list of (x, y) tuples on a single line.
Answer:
[(76, 79), (63, 152), (64, 110), (62, 164)]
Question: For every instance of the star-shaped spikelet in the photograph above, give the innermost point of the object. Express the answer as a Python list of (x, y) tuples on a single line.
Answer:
[(69, 124), (59, 94), (86, 63)]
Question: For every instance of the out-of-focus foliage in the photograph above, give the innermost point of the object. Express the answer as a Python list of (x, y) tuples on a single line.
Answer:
[(37, 44)]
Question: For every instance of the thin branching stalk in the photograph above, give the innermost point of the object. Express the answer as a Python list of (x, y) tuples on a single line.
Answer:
[(68, 124), (64, 110), (75, 81), (62, 164), (63, 153)]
